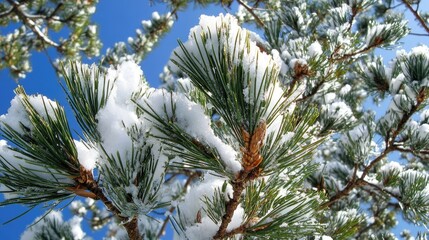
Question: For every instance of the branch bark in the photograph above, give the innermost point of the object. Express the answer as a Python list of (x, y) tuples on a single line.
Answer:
[(250, 162), (416, 15), (86, 180), (238, 188)]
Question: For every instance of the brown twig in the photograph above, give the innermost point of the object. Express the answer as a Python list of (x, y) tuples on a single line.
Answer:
[(349, 187), (86, 186), (243, 228), (251, 159), (130, 224), (355, 11), (380, 189), (377, 43), (250, 10), (409, 150), (416, 15), (238, 188), (419, 34)]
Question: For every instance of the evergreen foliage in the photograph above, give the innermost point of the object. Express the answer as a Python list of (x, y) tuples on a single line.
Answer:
[(250, 137)]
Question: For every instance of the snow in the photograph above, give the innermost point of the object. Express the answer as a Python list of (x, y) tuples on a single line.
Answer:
[(87, 156), (420, 50), (295, 61), (359, 132), (7, 195), (54, 216), (190, 117), (146, 24), (400, 104), (338, 110), (78, 207), (203, 231), (192, 204), (324, 237), (76, 229), (417, 56), (223, 34), (396, 83), (119, 114), (18, 161), (410, 177), (345, 90), (155, 16), (374, 31), (329, 97), (424, 115), (315, 49), (92, 29), (423, 131), (390, 168), (17, 113), (278, 60)]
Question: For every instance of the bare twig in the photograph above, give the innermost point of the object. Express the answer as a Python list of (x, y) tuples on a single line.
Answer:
[(250, 10), (383, 190), (419, 34), (416, 15), (250, 162), (238, 188)]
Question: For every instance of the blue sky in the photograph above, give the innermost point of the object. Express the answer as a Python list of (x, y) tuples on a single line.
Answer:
[(117, 21)]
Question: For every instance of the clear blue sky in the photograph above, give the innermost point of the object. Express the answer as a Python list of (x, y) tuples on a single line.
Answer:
[(117, 21)]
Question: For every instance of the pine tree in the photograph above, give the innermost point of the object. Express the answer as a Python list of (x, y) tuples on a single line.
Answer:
[(37, 23), (251, 136)]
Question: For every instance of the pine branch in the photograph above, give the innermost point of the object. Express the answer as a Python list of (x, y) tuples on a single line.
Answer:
[(378, 42), (355, 12), (349, 187), (409, 150), (319, 84), (368, 227), (416, 15), (129, 224), (382, 190), (390, 146), (390, 139), (30, 23)]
